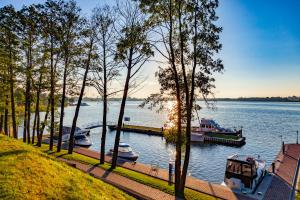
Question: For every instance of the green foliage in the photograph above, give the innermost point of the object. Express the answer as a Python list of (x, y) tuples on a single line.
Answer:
[(170, 135), (27, 173)]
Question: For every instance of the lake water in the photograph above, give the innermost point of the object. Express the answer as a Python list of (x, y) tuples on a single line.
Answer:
[(263, 124)]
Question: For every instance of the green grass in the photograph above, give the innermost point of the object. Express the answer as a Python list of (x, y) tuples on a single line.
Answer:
[(139, 177), (228, 137), (28, 173)]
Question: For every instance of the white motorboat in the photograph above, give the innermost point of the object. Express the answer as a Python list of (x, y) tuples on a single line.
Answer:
[(80, 136), (125, 151), (211, 126), (244, 173), (82, 140)]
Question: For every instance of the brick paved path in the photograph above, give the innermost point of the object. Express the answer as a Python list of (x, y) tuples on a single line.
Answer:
[(216, 190), (285, 167), (132, 187)]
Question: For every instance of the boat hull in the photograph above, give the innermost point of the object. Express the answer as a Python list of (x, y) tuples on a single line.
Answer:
[(197, 137), (127, 156)]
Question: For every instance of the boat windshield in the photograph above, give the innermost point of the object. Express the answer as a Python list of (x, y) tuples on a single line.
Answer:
[(125, 149), (244, 169)]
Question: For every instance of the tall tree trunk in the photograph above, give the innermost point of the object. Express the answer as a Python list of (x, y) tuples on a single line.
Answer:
[(62, 107), (37, 109), (12, 97), (122, 110), (187, 102), (38, 122), (28, 116), (178, 100), (103, 137), (28, 88), (52, 97), (71, 141), (190, 103), (25, 123), (44, 124), (6, 116), (1, 123), (33, 127)]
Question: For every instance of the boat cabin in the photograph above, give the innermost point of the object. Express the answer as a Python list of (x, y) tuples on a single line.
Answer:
[(209, 124), (243, 172)]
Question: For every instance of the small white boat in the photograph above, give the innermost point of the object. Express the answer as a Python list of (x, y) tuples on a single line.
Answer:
[(82, 140), (244, 173), (125, 151), (80, 136)]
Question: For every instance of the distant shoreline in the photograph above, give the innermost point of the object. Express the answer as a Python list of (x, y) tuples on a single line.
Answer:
[(246, 99)]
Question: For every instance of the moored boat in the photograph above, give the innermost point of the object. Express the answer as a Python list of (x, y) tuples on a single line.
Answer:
[(81, 136), (82, 140), (211, 126), (125, 151), (244, 173)]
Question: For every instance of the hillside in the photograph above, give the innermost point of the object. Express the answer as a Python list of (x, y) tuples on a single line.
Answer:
[(26, 173)]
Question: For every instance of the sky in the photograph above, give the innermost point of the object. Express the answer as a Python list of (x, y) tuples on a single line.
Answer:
[(261, 48)]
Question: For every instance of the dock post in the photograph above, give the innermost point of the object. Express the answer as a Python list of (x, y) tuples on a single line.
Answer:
[(273, 167), (297, 138), (283, 147), (170, 172)]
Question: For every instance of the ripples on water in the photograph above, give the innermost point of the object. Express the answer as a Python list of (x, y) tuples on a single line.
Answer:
[(263, 123)]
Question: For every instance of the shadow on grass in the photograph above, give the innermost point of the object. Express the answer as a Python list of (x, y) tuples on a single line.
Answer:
[(62, 155), (14, 152)]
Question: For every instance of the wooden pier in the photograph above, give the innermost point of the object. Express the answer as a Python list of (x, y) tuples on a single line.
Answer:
[(209, 138), (231, 142), (139, 129)]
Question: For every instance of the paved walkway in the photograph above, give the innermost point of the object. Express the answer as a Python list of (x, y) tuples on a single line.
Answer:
[(216, 190), (285, 167), (134, 188)]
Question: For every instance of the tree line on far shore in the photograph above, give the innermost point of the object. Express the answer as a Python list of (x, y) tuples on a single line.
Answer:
[(50, 52)]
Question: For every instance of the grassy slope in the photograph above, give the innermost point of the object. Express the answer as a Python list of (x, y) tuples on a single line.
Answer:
[(139, 177), (27, 173)]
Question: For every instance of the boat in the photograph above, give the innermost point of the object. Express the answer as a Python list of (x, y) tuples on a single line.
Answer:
[(211, 126), (125, 151), (82, 140), (80, 136), (244, 173), (78, 131)]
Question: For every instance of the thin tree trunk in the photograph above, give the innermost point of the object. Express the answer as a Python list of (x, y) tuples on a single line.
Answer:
[(37, 109), (71, 141), (34, 126), (12, 97), (1, 123), (44, 124), (28, 88), (179, 112), (103, 137), (24, 124), (52, 98), (6, 116), (122, 110), (62, 107), (38, 123), (189, 111), (187, 102)]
